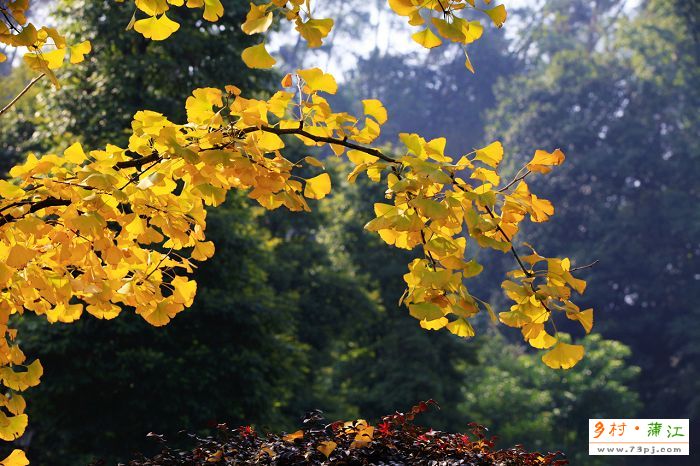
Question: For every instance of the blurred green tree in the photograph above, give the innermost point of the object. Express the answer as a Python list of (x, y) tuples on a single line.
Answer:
[(511, 382), (627, 109)]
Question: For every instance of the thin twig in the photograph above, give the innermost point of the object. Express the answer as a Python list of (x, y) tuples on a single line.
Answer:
[(512, 246), (515, 180), (584, 266), (24, 91)]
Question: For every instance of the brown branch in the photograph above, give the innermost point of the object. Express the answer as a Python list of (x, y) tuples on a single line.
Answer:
[(328, 140), (42, 204), (137, 162), (512, 246), (445, 13), (584, 266), (515, 180), (24, 91), (433, 262), (299, 131)]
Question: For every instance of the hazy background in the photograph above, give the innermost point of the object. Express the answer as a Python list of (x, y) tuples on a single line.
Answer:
[(297, 312)]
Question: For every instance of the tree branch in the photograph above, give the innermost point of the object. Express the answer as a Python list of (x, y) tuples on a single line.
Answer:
[(24, 91), (515, 180), (340, 142), (512, 246), (584, 266), (42, 204), (137, 162), (300, 131)]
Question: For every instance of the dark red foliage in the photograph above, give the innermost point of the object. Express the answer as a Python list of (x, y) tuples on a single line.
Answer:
[(396, 440)]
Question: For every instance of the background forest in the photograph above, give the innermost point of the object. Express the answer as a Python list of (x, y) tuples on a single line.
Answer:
[(309, 317)]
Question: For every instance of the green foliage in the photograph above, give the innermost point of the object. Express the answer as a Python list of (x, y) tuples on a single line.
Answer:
[(524, 402), (623, 94), (628, 111), (19, 123)]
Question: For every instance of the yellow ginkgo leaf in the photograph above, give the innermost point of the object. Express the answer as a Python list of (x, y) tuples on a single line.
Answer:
[(585, 318), (10, 191), (563, 356), (16, 458), (20, 381), (425, 311), (78, 51), (542, 340), (315, 30), (436, 324), (543, 161), (203, 250), (461, 328), (327, 447), (313, 161), (498, 15), (152, 7), (257, 20), (159, 28), (105, 311), (484, 174), (58, 40), (426, 38), (19, 256), (375, 109), (318, 187), (318, 81), (257, 56), (75, 153), (287, 81), (299, 434), (402, 7), (363, 437), (65, 313), (12, 427), (27, 37), (184, 290), (452, 30), (468, 62), (213, 10), (163, 313), (491, 155), (51, 60), (16, 404)]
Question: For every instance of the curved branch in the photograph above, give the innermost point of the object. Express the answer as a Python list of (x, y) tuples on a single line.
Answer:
[(339, 142), (140, 161)]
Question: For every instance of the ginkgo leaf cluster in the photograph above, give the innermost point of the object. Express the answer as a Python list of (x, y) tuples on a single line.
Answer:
[(46, 48), (158, 26), (118, 228), (121, 229), (439, 20)]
